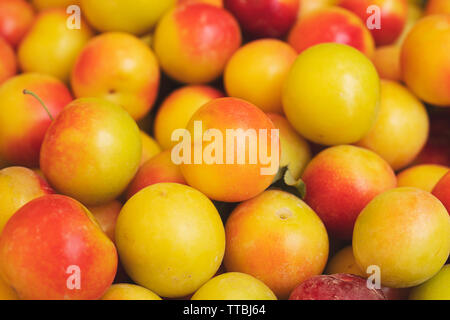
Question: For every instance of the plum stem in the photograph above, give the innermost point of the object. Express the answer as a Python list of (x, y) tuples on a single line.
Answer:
[(31, 93)]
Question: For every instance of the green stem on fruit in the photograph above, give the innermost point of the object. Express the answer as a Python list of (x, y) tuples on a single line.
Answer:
[(287, 182), (31, 93)]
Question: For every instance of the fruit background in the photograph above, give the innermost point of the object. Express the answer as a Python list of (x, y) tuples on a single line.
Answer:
[(93, 205)]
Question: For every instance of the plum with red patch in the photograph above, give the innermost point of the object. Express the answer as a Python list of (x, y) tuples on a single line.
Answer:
[(264, 18), (339, 286)]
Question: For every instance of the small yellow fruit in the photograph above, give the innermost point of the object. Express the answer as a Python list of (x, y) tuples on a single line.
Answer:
[(401, 129), (170, 239), (437, 288), (424, 176), (344, 262), (234, 286), (406, 233), (126, 291), (332, 94)]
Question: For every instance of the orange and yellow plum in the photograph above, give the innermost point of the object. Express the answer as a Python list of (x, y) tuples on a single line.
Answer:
[(137, 17), (240, 148), (72, 251), (8, 61), (401, 129), (156, 170), (331, 25), (416, 227), (120, 68), (50, 47), (425, 61), (276, 238), (387, 62), (442, 191), (424, 176), (91, 151), (341, 181), (125, 291), (257, 71), (393, 16), (106, 216), (193, 42), (178, 108), (16, 18), (23, 120), (264, 18), (19, 185), (437, 7)]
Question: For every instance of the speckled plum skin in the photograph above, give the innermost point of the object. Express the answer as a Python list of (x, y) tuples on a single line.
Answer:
[(339, 286)]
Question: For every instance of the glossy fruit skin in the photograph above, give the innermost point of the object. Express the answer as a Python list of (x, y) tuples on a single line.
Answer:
[(81, 142), (223, 178), (125, 291), (332, 24), (16, 17), (442, 191), (276, 238), (339, 111), (256, 73), (41, 5), (173, 260), (120, 68), (23, 120), (8, 61), (156, 170), (437, 7), (295, 150), (106, 216), (178, 108), (336, 287), (50, 47), (19, 185), (193, 42), (341, 181), (401, 129), (406, 233), (436, 288), (387, 62), (234, 286), (264, 18), (428, 78), (68, 236), (136, 17), (424, 176), (393, 18)]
